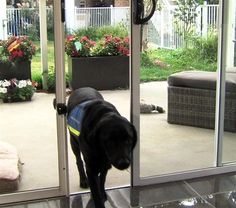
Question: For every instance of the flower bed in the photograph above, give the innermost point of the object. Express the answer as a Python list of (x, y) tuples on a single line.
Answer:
[(76, 46), (16, 90), (15, 58), (103, 65), (17, 49)]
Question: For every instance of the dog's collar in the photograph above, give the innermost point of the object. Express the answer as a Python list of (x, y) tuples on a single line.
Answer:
[(75, 117)]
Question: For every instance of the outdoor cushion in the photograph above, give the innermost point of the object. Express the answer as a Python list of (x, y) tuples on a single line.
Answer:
[(9, 168), (201, 80)]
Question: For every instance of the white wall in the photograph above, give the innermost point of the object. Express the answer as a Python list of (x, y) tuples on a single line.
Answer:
[(3, 22), (70, 14)]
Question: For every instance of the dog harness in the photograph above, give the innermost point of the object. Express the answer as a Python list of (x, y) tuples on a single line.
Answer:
[(75, 118)]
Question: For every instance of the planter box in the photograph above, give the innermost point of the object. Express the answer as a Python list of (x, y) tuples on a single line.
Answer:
[(13, 100), (101, 73), (20, 71)]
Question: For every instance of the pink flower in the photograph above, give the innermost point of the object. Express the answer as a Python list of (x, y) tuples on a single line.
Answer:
[(84, 38), (126, 40), (117, 39), (70, 37)]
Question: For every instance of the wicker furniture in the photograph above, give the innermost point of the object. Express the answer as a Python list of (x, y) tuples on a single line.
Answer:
[(191, 99)]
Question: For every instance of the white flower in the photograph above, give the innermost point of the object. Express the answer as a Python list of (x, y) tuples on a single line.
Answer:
[(29, 82), (3, 90), (22, 83), (6, 83)]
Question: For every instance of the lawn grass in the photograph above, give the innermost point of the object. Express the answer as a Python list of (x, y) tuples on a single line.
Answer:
[(36, 61), (172, 61)]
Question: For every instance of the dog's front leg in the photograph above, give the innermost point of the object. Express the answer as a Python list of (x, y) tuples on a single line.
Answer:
[(75, 146), (103, 176), (95, 188)]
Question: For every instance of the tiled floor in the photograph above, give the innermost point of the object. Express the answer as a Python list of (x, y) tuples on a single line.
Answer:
[(215, 191)]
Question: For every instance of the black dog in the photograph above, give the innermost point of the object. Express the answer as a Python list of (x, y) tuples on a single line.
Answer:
[(102, 135)]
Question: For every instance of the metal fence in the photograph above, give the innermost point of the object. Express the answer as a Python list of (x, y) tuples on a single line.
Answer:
[(22, 21), (98, 17), (161, 31)]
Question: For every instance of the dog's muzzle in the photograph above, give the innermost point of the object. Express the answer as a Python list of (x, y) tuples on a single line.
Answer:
[(122, 164)]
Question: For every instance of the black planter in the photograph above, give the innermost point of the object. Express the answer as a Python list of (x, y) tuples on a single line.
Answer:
[(101, 73), (19, 70)]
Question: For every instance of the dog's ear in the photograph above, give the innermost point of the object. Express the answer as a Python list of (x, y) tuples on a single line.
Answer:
[(134, 136), (97, 130)]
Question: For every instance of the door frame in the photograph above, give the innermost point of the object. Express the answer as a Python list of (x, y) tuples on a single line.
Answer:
[(63, 188), (136, 180)]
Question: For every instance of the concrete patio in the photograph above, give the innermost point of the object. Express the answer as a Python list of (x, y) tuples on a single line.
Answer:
[(165, 148)]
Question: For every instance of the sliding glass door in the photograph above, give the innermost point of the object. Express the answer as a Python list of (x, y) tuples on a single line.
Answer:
[(228, 141), (188, 139), (33, 161)]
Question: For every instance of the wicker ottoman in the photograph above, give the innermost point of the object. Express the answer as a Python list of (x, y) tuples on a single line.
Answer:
[(192, 97)]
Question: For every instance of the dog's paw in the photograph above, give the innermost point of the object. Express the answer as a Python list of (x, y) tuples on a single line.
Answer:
[(84, 184), (105, 196)]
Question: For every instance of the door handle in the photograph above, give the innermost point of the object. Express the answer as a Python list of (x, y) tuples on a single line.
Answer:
[(139, 12)]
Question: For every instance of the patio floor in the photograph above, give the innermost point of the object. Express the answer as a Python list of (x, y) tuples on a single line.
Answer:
[(31, 128)]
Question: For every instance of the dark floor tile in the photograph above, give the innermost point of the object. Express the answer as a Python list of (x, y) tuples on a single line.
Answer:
[(161, 193), (187, 203), (60, 202), (115, 198), (213, 184), (222, 200), (208, 192), (119, 197), (80, 200)]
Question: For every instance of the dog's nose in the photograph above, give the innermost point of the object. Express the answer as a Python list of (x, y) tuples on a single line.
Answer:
[(123, 164)]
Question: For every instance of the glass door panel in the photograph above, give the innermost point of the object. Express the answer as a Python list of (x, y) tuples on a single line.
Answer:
[(181, 138), (30, 127), (188, 139), (228, 155), (114, 21), (32, 152)]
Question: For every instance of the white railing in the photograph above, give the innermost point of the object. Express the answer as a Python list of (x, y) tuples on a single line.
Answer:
[(161, 31), (21, 21), (100, 16)]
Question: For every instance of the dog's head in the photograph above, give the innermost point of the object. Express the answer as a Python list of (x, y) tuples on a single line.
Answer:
[(118, 138)]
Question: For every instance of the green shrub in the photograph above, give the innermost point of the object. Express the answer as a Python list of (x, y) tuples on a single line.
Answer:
[(37, 77), (205, 47), (146, 59), (97, 33)]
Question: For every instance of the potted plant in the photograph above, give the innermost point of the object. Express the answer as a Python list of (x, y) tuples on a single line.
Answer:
[(15, 58), (14, 90), (103, 64)]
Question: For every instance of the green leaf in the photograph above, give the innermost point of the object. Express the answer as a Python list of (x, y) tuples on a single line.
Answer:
[(78, 46)]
